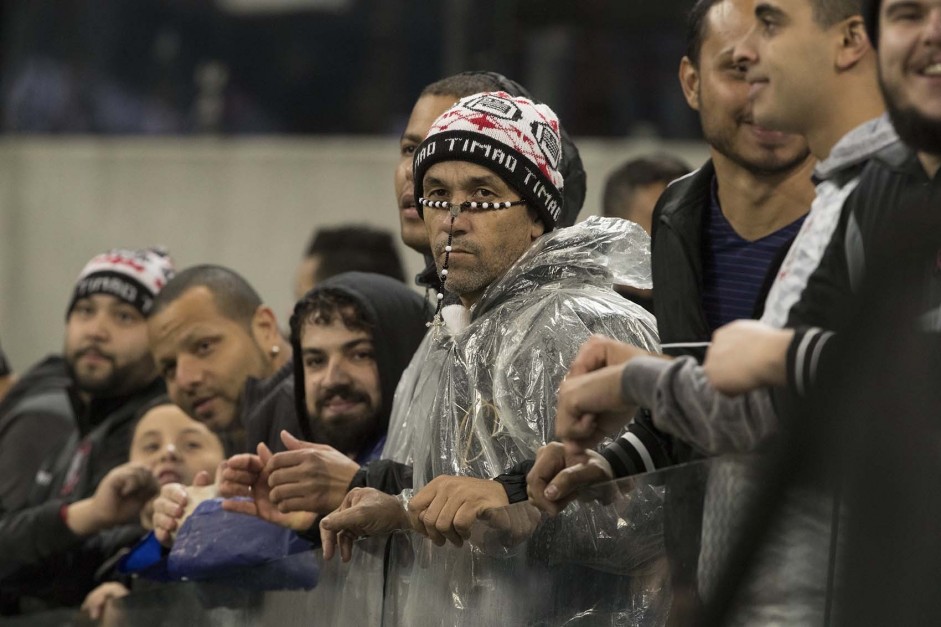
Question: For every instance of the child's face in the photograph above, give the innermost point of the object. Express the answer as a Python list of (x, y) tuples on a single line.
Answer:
[(174, 446)]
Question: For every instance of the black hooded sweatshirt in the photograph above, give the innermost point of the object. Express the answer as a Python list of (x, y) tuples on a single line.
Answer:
[(398, 316)]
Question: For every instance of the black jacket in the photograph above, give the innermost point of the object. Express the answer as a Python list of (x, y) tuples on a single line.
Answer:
[(676, 259), (42, 559), (36, 419), (891, 182), (677, 255)]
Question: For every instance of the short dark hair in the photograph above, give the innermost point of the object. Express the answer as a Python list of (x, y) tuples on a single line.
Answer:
[(354, 248), (828, 12), (464, 84), (323, 306), (825, 12), (233, 296), (696, 28), (621, 184)]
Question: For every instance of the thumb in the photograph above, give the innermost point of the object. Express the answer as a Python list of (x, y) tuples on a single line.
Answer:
[(264, 453), (202, 478), (293, 443)]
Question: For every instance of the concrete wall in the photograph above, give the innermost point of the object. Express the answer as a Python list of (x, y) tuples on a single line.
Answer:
[(250, 204)]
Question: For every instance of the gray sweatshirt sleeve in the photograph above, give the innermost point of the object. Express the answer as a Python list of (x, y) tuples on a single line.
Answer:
[(686, 406)]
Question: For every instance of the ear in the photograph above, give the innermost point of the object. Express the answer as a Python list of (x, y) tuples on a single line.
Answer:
[(537, 228), (265, 328), (689, 81), (853, 43)]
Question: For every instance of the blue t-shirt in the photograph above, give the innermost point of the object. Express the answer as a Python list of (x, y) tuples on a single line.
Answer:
[(734, 269)]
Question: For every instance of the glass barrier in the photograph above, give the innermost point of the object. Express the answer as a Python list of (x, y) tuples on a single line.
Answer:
[(640, 551)]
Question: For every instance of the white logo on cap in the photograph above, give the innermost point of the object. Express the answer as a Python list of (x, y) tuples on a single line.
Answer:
[(497, 107), (548, 143)]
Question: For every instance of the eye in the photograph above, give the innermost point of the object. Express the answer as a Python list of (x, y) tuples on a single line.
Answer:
[(364, 355), (768, 26), (193, 445), (127, 316), (407, 150), (204, 347), (83, 309), (150, 447), (312, 362)]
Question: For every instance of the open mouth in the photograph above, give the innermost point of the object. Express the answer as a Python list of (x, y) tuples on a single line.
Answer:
[(932, 70)]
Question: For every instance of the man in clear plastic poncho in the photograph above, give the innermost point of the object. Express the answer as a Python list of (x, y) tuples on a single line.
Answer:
[(479, 396)]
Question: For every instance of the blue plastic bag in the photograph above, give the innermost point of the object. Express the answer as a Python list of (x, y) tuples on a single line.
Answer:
[(230, 548)]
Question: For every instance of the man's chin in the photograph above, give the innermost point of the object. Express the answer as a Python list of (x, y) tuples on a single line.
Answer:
[(96, 384)]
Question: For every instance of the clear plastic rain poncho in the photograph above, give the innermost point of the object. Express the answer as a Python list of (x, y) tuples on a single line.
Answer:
[(480, 397), (475, 401)]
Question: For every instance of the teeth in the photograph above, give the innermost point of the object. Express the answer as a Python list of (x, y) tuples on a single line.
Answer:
[(933, 70)]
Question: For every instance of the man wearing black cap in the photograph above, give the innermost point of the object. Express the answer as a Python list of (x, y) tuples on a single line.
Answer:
[(76, 412), (480, 394), (434, 100)]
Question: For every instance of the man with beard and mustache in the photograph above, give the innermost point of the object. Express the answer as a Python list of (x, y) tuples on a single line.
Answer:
[(68, 422), (351, 338)]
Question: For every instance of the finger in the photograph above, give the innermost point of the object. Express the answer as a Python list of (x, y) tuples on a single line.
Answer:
[(264, 453), (429, 519), (328, 540), (293, 459), (293, 443), (464, 520), (590, 356), (244, 462), (231, 490), (561, 490), (281, 474), (244, 477), (445, 521), (168, 507), (287, 491), (537, 497), (582, 427), (163, 537), (307, 504), (423, 499), (240, 507), (202, 479), (346, 546)]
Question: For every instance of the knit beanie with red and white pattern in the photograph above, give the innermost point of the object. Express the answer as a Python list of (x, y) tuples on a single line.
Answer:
[(513, 137), (134, 276)]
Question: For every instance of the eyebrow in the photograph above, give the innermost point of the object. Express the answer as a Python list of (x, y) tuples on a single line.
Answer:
[(411, 137), (345, 346), (489, 180), (768, 10)]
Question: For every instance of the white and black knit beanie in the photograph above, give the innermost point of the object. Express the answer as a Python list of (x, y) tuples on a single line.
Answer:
[(514, 137), (134, 276)]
